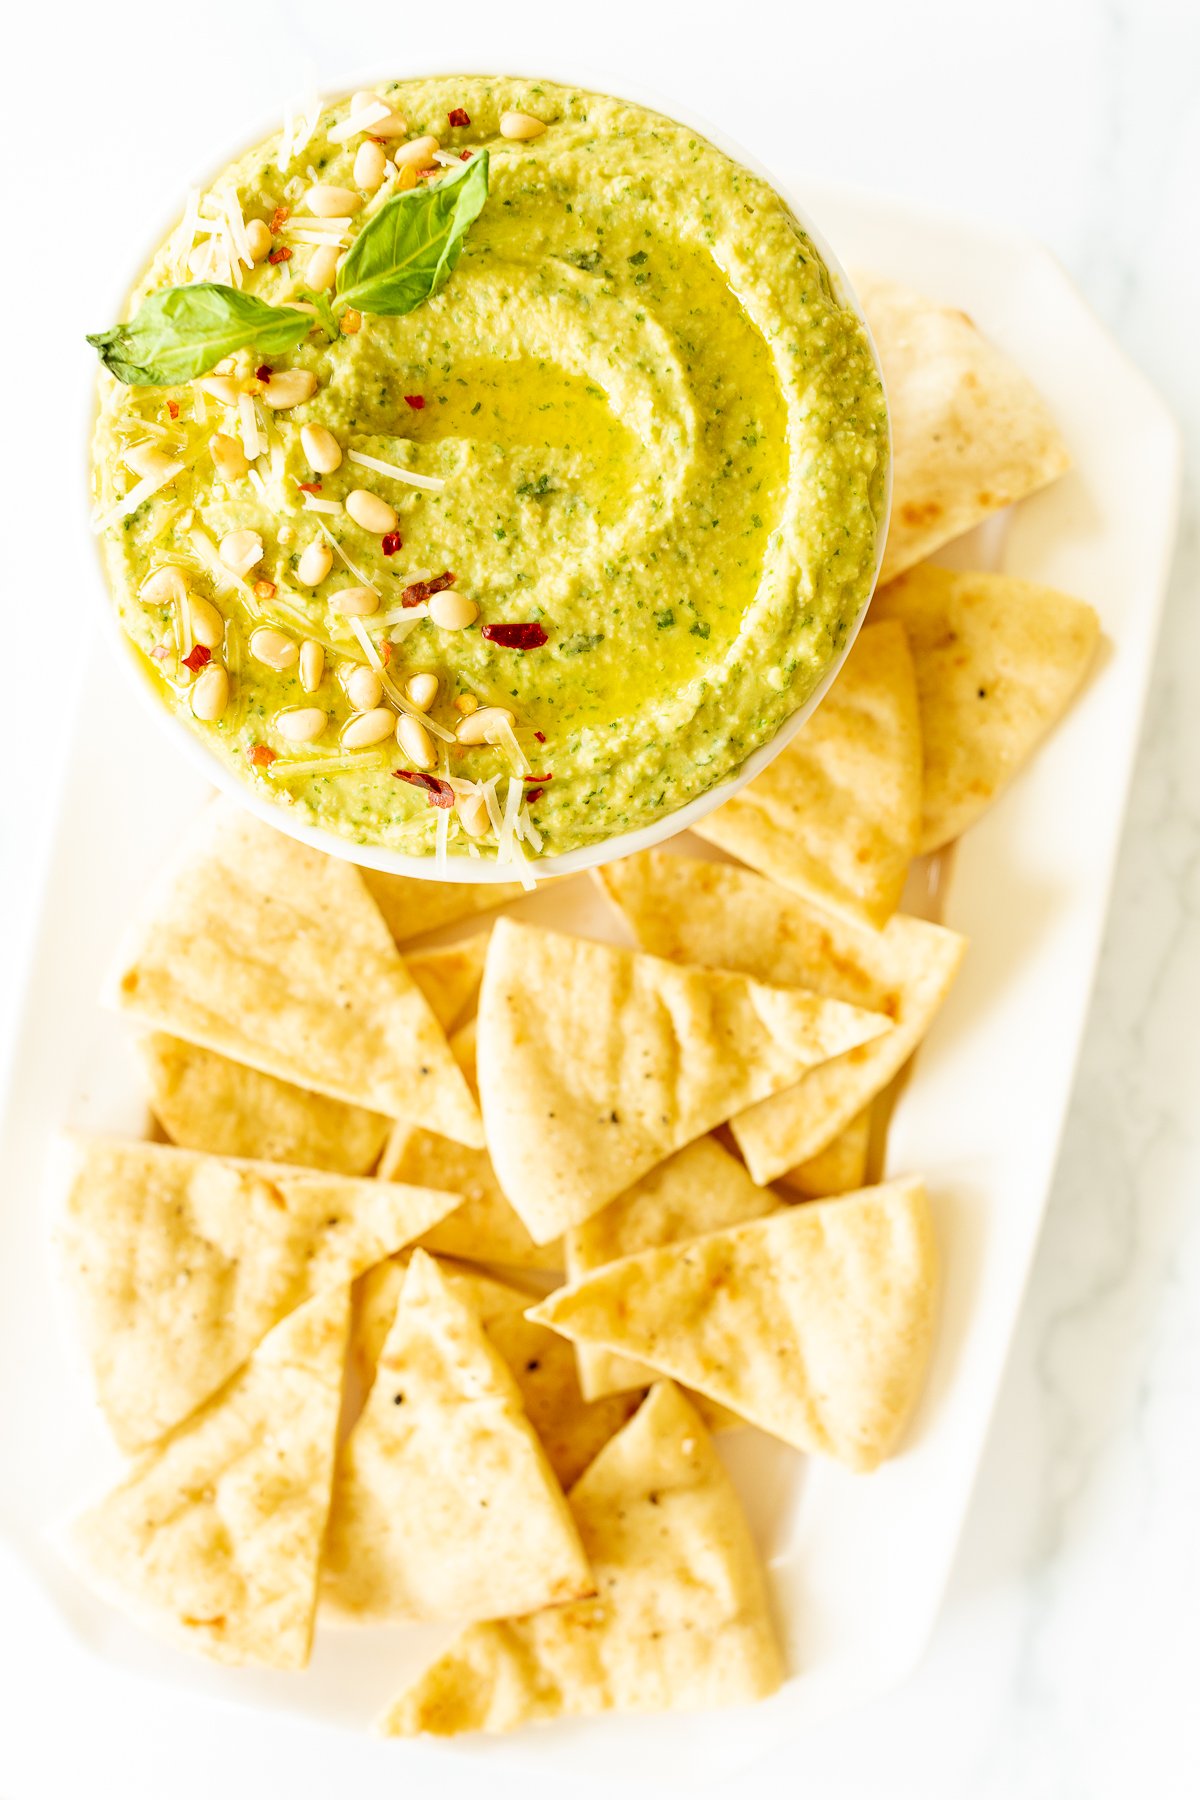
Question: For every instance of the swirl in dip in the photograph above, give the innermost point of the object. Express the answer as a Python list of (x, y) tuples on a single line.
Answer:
[(652, 436)]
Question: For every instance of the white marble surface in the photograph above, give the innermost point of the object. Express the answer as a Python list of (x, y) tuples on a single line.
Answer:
[(1065, 1664)]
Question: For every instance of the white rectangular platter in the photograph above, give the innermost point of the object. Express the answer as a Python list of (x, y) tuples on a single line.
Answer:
[(858, 1564)]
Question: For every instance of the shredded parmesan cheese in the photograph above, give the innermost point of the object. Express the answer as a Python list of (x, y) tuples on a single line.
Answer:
[(358, 121), (248, 425), (283, 770), (431, 482), (363, 580), (508, 848), (507, 738), (138, 495), (495, 816), (441, 834), (314, 503)]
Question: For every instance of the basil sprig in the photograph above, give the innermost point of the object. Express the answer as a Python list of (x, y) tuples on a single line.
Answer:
[(409, 249), (402, 255), (180, 332)]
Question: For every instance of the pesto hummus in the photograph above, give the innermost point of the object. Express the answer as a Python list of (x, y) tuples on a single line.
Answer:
[(647, 434)]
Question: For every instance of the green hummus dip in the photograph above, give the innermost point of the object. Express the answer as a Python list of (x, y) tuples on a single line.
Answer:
[(647, 424)]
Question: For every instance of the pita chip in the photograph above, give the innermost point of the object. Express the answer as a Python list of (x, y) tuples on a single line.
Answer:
[(596, 1063), (204, 1101), (970, 432), (411, 908), (270, 953), (814, 1323), (444, 1504), (182, 1262), (712, 913), (680, 1621), (837, 1169), (836, 816), (543, 1364), (214, 1536), (699, 1189), (449, 978), (998, 662)]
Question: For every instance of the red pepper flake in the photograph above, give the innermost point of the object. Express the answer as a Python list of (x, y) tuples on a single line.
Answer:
[(440, 792), (265, 590), (533, 780), (280, 255), (465, 155), (392, 541), (309, 487), (523, 635), (173, 408), (459, 116), (377, 140), (385, 652), (263, 372), (416, 401), (279, 219), (261, 755), (196, 658), (420, 591), (540, 736)]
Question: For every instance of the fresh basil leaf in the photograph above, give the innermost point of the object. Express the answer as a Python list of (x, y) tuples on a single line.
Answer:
[(180, 332), (409, 249)]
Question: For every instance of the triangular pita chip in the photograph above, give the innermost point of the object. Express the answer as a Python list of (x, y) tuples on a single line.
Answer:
[(444, 1505), (837, 1169), (814, 1323), (836, 815), (699, 1189), (214, 1536), (596, 1063), (204, 1101), (449, 978), (181, 1262), (543, 1365), (701, 912), (275, 955), (998, 662), (970, 432), (680, 1620), (411, 908)]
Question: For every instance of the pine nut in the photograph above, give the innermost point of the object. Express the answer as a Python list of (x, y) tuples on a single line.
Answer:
[(312, 665), (289, 387), (364, 690), (210, 693), (452, 611), (472, 811), (146, 459), (422, 691), (466, 703), (417, 153), (163, 586), (330, 202), (483, 727), (321, 449), (369, 165), (258, 238), (229, 456), (369, 511), (316, 560), (363, 99), (208, 627), (415, 741), (368, 728), (322, 267), (241, 551), (301, 724), (275, 648), (355, 602), (520, 126), (221, 387), (392, 126)]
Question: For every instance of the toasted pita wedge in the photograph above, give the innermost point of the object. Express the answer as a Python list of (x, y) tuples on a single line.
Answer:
[(214, 1536), (838, 1169), (836, 816), (444, 1505), (699, 912), (596, 1063), (814, 1323), (998, 662), (204, 1101), (181, 1262), (571, 1428), (680, 1621), (699, 1189), (274, 955), (970, 432), (411, 908), (450, 978)]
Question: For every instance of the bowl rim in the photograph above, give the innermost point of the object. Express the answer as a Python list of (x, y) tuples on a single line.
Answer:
[(485, 871)]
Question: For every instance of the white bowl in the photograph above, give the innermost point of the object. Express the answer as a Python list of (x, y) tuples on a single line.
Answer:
[(627, 843)]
